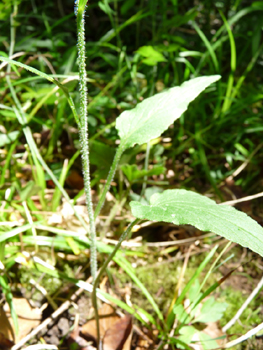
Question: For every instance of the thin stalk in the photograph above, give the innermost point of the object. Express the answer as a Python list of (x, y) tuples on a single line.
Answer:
[(109, 179), (247, 70), (146, 165), (7, 162), (117, 207), (11, 51), (214, 264), (83, 135), (116, 24), (106, 127), (3, 279), (147, 154), (227, 102), (12, 34), (125, 234)]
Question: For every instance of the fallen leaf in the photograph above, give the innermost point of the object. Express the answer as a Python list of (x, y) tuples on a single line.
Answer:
[(28, 318), (115, 331), (107, 319), (212, 329), (6, 328), (115, 337), (5, 344), (75, 341)]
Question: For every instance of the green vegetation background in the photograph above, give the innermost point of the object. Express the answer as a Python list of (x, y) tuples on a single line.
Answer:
[(134, 50)]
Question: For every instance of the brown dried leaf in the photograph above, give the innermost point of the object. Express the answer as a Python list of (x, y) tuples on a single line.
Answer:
[(116, 336), (6, 329), (28, 317), (115, 331), (5, 344), (107, 319), (213, 329)]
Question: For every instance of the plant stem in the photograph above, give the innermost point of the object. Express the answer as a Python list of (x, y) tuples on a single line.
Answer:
[(147, 154), (109, 179), (102, 270), (146, 165), (214, 264), (83, 135)]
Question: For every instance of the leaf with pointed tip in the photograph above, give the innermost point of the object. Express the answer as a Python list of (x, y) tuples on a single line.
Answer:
[(185, 207), (150, 118)]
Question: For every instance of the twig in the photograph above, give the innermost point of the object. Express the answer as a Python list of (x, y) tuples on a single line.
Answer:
[(243, 165), (45, 323), (244, 306), (244, 199), (17, 54), (159, 244), (33, 229), (44, 292), (42, 347), (244, 337)]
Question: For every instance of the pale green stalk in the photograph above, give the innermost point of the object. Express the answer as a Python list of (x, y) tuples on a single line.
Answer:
[(214, 264), (83, 133), (3, 279), (124, 235), (146, 165), (113, 168), (7, 162), (209, 47), (228, 101), (148, 148)]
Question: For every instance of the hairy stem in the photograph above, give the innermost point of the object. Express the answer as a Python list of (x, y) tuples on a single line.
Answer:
[(83, 135)]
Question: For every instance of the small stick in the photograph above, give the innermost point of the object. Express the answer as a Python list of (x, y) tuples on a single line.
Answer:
[(159, 244), (244, 337), (41, 347), (45, 323), (244, 306), (243, 165), (244, 199)]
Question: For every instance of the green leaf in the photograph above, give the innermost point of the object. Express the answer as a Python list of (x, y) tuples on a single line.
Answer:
[(186, 335), (194, 291), (147, 194), (258, 5), (104, 6), (5, 139), (211, 311), (181, 314), (33, 70), (133, 173), (73, 245), (150, 118), (207, 342), (127, 267), (49, 78), (29, 190), (152, 56), (14, 232), (127, 5), (185, 207), (101, 155), (168, 48)]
